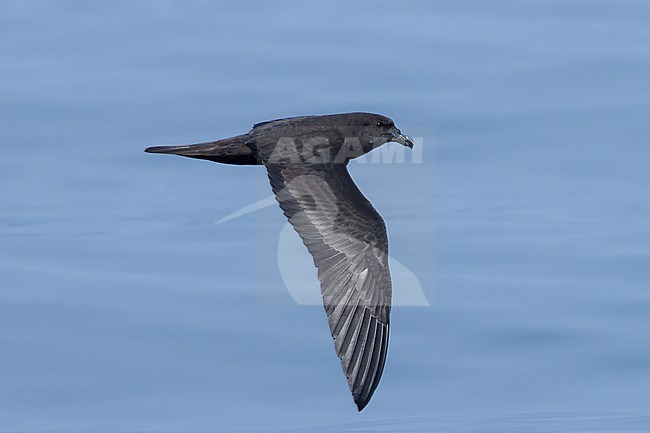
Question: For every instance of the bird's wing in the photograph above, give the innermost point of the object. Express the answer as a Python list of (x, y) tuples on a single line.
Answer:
[(347, 239)]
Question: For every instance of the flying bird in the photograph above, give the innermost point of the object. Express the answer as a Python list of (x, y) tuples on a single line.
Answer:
[(306, 159)]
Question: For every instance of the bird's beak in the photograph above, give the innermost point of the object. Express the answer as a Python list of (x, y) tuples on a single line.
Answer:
[(402, 139)]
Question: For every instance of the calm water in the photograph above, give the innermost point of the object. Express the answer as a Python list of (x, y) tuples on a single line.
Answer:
[(124, 308)]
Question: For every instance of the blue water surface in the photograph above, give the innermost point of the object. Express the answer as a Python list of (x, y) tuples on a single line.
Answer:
[(125, 308)]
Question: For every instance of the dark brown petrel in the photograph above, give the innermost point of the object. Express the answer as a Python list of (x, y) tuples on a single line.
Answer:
[(306, 159)]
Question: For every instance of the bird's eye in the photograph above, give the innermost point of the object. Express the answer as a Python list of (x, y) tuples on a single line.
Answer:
[(384, 124)]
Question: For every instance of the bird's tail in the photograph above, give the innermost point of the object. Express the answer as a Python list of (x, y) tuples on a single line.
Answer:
[(227, 151)]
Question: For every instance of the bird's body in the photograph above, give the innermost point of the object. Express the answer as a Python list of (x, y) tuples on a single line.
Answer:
[(306, 159)]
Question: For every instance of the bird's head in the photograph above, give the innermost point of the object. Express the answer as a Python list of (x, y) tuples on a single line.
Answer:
[(378, 130), (367, 131)]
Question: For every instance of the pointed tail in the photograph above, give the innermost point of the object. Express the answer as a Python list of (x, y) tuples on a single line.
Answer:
[(227, 151)]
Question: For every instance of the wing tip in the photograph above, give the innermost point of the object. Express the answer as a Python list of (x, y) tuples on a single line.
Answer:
[(361, 404)]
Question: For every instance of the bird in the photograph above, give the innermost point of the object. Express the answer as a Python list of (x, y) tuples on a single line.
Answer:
[(306, 160)]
